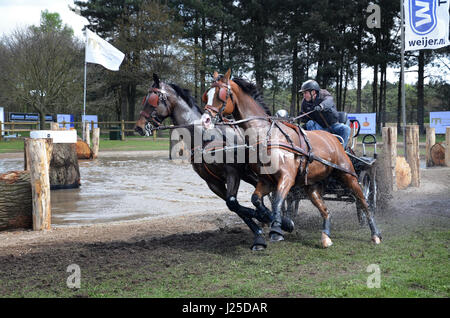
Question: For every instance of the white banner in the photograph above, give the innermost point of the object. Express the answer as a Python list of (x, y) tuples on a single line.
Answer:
[(101, 52), (368, 122), (426, 24), (439, 121)]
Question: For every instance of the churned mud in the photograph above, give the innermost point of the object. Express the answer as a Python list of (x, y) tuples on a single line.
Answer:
[(132, 244)]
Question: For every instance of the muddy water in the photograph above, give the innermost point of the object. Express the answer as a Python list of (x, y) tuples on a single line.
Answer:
[(120, 187)]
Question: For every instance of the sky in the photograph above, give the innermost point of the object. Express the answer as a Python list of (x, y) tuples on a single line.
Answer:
[(22, 13)]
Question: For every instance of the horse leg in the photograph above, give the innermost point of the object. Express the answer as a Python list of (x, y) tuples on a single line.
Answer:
[(285, 183), (352, 183), (246, 214), (315, 197)]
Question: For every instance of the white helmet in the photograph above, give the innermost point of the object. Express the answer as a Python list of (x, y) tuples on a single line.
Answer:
[(282, 113)]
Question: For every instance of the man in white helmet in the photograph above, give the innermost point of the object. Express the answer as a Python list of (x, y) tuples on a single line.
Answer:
[(325, 116)]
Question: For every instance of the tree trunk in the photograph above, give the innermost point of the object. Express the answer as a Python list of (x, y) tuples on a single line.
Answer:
[(359, 71), (375, 89), (294, 78), (15, 200)]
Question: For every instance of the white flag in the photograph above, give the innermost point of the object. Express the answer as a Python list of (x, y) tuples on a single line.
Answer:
[(101, 52), (426, 24)]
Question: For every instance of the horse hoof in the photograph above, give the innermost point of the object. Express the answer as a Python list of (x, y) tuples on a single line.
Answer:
[(326, 241), (257, 247), (376, 239), (276, 237), (287, 225)]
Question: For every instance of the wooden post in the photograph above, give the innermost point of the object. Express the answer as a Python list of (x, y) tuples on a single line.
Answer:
[(447, 146), (39, 151), (412, 153), (95, 142), (123, 130), (87, 134), (389, 135), (431, 140), (1, 130)]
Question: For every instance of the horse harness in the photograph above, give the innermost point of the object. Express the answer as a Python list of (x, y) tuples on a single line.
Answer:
[(291, 147)]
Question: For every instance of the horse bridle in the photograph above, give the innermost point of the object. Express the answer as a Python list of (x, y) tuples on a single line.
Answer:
[(224, 93), (152, 98)]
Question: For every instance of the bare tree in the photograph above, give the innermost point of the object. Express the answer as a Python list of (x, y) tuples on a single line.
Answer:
[(41, 68)]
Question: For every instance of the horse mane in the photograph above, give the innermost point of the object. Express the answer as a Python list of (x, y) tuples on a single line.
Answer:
[(185, 94), (251, 90)]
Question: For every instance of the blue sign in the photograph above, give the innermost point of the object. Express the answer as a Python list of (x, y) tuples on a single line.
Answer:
[(28, 117), (422, 16)]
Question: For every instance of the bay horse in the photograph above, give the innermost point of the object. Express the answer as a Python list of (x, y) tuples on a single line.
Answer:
[(169, 100), (305, 159)]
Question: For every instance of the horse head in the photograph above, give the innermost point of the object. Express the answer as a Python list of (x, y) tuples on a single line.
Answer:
[(157, 106), (219, 100)]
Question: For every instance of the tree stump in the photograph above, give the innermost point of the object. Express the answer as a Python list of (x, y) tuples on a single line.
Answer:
[(437, 154), (430, 141), (64, 168), (403, 173), (15, 200), (83, 150), (412, 153)]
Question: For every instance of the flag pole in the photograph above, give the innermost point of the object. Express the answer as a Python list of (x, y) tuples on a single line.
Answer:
[(84, 98), (402, 74)]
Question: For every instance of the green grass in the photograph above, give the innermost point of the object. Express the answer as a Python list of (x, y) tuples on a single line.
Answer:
[(413, 263), (129, 144)]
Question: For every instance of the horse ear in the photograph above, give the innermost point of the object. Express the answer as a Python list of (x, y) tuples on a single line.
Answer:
[(228, 74), (156, 80)]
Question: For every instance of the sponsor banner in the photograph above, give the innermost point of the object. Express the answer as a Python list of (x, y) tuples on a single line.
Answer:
[(439, 121), (68, 118), (90, 118), (367, 121), (426, 24), (24, 117)]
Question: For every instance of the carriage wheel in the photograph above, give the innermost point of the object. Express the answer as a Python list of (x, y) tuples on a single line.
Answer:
[(367, 181)]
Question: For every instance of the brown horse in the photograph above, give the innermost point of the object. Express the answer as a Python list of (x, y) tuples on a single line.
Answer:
[(293, 161), (169, 100)]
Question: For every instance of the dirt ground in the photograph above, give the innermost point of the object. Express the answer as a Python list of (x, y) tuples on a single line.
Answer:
[(26, 253)]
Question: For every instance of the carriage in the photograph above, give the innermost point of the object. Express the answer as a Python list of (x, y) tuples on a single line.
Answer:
[(365, 168)]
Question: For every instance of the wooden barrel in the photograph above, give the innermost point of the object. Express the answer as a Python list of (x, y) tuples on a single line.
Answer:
[(437, 153), (15, 200)]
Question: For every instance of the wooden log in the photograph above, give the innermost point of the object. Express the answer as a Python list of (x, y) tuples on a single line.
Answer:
[(437, 154), (447, 146), (87, 135), (430, 141), (54, 126), (402, 173), (15, 200), (389, 135), (64, 170), (95, 142), (412, 153), (39, 151), (122, 129)]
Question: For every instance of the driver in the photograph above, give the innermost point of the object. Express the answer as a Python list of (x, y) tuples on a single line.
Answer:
[(325, 116)]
